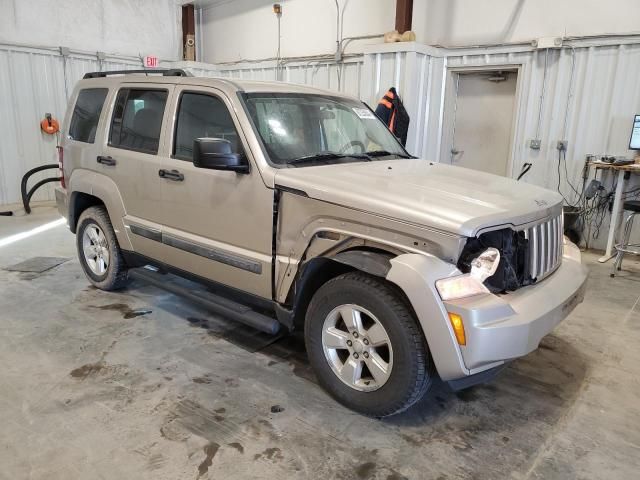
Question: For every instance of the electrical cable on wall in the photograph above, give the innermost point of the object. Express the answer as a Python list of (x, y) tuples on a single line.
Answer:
[(562, 158), (338, 56), (544, 84), (569, 92), (64, 52), (277, 9)]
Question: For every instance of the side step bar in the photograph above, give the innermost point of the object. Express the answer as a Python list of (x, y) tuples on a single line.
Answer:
[(212, 302)]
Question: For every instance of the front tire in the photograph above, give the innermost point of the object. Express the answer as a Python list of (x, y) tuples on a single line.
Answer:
[(98, 250), (365, 345)]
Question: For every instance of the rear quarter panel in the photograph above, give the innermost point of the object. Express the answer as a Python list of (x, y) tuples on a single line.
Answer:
[(102, 187)]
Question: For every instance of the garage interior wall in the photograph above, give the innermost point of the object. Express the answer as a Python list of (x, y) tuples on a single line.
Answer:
[(308, 27), (470, 22), (590, 82), (36, 79), (129, 27), (247, 29), (590, 93)]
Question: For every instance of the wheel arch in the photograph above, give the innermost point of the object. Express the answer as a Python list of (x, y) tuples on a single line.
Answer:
[(317, 271), (78, 203), (90, 189)]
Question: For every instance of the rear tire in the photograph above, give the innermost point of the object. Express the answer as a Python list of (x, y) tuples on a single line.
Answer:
[(375, 362), (99, 252)]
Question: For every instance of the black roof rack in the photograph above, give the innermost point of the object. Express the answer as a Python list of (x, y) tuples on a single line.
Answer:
[(171, 72)]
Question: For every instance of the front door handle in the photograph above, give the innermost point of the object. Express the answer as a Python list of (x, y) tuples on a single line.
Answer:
[(174, 175), (110, 161)]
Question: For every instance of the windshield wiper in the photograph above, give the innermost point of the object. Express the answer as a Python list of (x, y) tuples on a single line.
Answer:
[(384, 153), (318, 157)]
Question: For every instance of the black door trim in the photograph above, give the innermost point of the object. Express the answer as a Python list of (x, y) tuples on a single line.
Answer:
[(214, 254), (150, 233)]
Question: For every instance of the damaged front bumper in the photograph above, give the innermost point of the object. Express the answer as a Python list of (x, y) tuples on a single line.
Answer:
[(498, 328)]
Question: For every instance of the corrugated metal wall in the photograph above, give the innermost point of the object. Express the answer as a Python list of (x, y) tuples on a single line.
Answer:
[(346, 78), (34, 82), (590, 96)]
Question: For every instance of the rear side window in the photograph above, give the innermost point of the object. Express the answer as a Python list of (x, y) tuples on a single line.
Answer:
[(137, 119), (86, 113), (202, 116)]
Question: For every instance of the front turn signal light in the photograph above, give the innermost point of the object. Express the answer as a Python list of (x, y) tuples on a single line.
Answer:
[(458, 328)]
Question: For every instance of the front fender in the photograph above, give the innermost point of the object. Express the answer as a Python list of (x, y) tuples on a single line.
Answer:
[(416, 275)]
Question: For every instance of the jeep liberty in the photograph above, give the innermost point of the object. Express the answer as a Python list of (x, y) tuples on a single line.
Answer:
[(301, 210)]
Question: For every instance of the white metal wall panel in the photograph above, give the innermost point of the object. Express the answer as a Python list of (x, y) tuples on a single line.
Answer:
[(384, 70), (322, 74), (598, 100), (30, 86), (32, 83), (604, 97), (593, 86)]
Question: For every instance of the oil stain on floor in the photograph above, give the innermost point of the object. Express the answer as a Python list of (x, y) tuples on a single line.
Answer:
[(126, 311)]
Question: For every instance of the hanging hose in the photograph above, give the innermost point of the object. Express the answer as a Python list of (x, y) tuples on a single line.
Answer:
[(26, 196)]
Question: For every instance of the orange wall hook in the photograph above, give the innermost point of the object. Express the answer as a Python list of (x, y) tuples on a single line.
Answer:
[(49, 125)]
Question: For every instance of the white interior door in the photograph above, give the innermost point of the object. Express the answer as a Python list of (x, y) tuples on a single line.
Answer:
[(483, 121)]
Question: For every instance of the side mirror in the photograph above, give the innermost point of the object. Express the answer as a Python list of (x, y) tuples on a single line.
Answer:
[(216, 154)]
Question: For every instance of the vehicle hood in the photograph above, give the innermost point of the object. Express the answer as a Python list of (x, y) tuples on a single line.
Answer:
[(448, 198)]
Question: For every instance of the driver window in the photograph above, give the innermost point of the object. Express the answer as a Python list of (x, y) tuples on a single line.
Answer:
[(343, 131), (202, 116), (286, 131)]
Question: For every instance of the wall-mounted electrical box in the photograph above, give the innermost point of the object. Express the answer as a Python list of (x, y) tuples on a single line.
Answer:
[(547, 42)]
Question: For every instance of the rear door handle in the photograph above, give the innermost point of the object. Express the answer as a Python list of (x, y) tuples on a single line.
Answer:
[(174, 175), (106, 160)]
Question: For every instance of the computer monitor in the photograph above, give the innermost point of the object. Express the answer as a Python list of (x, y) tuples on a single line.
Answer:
[(634, 143)]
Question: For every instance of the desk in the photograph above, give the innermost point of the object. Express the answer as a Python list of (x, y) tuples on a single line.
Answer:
[(624, 172)]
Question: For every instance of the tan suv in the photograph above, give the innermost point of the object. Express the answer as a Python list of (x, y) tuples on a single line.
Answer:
[(300, 209)]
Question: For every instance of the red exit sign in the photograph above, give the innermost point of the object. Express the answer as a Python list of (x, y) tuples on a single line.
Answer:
[(150, 61)]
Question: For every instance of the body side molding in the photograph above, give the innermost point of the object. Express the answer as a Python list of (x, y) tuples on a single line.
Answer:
[(214, 254)]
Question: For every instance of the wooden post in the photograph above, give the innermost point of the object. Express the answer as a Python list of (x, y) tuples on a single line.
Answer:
[(188, 33), (404, 14)]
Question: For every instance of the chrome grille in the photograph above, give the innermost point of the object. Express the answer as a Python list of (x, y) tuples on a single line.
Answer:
[(545, 247)]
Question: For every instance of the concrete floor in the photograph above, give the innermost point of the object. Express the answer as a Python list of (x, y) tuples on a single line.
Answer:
[(130, 385)]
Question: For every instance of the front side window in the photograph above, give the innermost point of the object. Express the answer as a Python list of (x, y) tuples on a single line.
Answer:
[(86, 114), (202, 116), (137, 119), (297, 129)]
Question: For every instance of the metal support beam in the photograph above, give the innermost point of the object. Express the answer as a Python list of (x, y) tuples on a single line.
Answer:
[(404, 14)]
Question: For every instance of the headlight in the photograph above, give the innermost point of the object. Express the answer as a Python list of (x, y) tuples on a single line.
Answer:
[(459, 287), (485, 264), (471, 283)]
